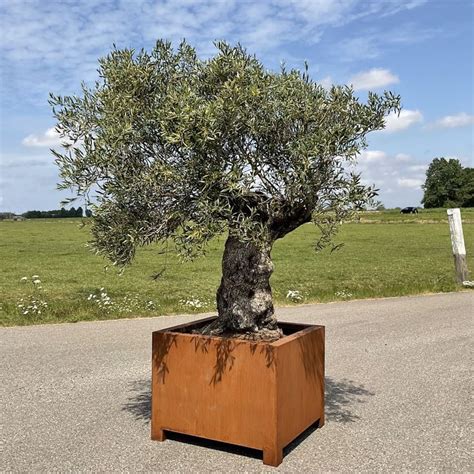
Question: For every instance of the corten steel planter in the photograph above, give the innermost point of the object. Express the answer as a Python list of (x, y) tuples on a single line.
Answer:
[(259, 395)]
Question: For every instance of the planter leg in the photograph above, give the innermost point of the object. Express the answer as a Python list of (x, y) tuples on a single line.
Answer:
[(272, 457), (321, 421), (158, 435)]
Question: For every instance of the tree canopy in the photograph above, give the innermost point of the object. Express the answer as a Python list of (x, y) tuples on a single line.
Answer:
[(448, 184), (180, 148)]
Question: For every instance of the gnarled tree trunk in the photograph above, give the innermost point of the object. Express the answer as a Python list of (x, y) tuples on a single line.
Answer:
[(244, 297)]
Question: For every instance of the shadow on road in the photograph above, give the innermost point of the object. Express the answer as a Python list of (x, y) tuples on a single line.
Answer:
[(341, 396), (139, 400)]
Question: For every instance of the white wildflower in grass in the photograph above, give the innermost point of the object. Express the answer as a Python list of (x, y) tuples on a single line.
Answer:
[(127, 304), (31, 305), (294, 295), (343, 294), (150, 305), (34, 303), (194, 303), (102, 300)]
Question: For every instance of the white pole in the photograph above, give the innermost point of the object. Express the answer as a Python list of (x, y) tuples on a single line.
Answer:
[(457, 242)]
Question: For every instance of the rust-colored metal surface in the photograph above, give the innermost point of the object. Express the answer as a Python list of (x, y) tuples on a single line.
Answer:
[(258, 395)]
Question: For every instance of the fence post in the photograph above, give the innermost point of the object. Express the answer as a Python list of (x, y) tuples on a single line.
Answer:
[(457, 242)]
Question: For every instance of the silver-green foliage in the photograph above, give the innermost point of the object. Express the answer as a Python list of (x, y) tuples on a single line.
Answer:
[(179, 148)]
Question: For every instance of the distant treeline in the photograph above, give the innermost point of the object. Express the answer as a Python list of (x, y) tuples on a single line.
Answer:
[(57, 213)]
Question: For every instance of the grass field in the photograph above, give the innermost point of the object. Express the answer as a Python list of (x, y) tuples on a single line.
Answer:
[(394, 256), (424, 216)]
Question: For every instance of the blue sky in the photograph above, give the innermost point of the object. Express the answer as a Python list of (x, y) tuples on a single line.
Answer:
[(421, 49)]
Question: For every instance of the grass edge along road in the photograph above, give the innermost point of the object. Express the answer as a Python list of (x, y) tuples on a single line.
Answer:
[(49, 276)]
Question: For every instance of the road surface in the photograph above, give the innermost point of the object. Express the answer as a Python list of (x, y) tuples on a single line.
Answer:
[(75, 397)]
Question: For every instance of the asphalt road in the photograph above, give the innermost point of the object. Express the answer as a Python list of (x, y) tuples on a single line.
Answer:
[(75, 397)]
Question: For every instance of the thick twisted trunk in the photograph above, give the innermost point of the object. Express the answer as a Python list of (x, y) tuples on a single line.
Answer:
[(244, 297)]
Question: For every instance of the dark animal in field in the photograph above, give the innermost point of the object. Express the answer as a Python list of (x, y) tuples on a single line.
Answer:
[(409, 210)]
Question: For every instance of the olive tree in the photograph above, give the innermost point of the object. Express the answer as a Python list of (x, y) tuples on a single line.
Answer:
[(181, 149)]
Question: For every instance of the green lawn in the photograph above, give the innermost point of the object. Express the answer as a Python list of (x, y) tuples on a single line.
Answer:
[(390, 258)]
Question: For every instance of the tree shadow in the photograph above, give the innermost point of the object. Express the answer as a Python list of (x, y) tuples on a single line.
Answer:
[(138, 403), (160, 353), (224, 358), (340, 398)]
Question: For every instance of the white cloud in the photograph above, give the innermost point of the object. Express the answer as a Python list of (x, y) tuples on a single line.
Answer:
[(24, 161), (403, 157), (395, 122), (374, 41), (352, 49), (326, 82), (416, 168), (398, 176), (410, 183), (453, 121), (372, 155), (373, 79), (50, 138)]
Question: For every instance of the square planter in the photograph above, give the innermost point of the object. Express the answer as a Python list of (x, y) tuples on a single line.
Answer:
[(261, 395)]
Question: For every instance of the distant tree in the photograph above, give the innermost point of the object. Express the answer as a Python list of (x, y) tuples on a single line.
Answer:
[(448, 184), (54, 214), (32, 214), (467, 189), (183, 149)]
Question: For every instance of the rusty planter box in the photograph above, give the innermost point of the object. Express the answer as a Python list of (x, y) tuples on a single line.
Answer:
[(258, 395)]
